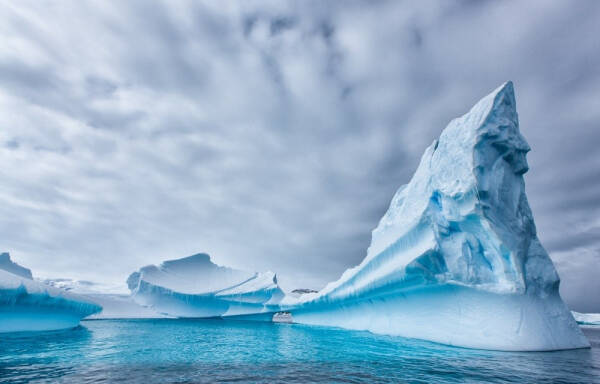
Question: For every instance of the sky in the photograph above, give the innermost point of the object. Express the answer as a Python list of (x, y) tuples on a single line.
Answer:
[(272, 135)]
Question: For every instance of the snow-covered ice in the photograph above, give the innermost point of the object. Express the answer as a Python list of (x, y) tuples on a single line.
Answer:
[(121, 306), (10, 266), (586, 318), (29, 305), (456, 258), (85, 287), (115, 299), (196, 287)]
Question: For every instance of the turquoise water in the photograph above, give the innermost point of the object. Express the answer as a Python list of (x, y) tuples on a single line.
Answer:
[(190, 351)]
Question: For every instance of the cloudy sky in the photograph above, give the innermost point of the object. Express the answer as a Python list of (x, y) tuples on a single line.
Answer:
[(273, 135)]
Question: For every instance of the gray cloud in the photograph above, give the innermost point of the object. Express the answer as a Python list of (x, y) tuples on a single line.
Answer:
[(273, 135)]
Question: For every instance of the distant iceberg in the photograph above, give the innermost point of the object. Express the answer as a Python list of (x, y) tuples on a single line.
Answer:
[(456, 258), (116, 303), (196, 287), (586, 318), (28, 305)]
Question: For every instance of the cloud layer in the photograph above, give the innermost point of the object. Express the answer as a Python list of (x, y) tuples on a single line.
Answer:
[(273, 135)]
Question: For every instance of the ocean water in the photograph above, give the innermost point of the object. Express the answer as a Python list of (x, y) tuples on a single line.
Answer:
[(206, 351)]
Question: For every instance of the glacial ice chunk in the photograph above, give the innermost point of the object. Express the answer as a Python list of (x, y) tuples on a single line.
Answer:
[(456, 258), (28, 305), (196, 287)]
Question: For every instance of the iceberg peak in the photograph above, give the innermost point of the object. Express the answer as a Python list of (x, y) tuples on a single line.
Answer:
[(467, 180)]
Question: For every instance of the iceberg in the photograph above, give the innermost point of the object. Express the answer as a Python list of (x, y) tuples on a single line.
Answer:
[(456, 258), (196, 287), (586, 318), (28, 305)]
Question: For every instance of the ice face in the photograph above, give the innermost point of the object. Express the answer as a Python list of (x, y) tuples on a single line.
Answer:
[(196, 287), (456, 258), (28, 305)]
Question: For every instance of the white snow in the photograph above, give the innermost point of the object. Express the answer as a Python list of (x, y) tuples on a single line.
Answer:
[(84, 287), (115, 302), (119, 306), (456, 258)]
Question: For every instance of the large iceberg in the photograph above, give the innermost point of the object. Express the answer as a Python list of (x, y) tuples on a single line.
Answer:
[(196, 287), (29, 305), (456, 258)]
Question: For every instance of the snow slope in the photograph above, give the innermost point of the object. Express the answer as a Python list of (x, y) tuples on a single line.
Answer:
[(28, 305), (120, 306), (83, 287), (456, 258), (115, 303), (196, 287)]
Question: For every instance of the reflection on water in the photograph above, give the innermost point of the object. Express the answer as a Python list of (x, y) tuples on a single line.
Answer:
[(164, 351)]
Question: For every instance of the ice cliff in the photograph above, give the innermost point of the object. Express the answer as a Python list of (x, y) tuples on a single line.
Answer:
[(456, 258), (29, 305), (196, 287)]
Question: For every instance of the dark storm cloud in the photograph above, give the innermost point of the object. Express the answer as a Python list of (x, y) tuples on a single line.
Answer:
[(273, 135)]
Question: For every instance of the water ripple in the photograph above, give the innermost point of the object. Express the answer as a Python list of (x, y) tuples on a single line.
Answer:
[(203, 351)]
